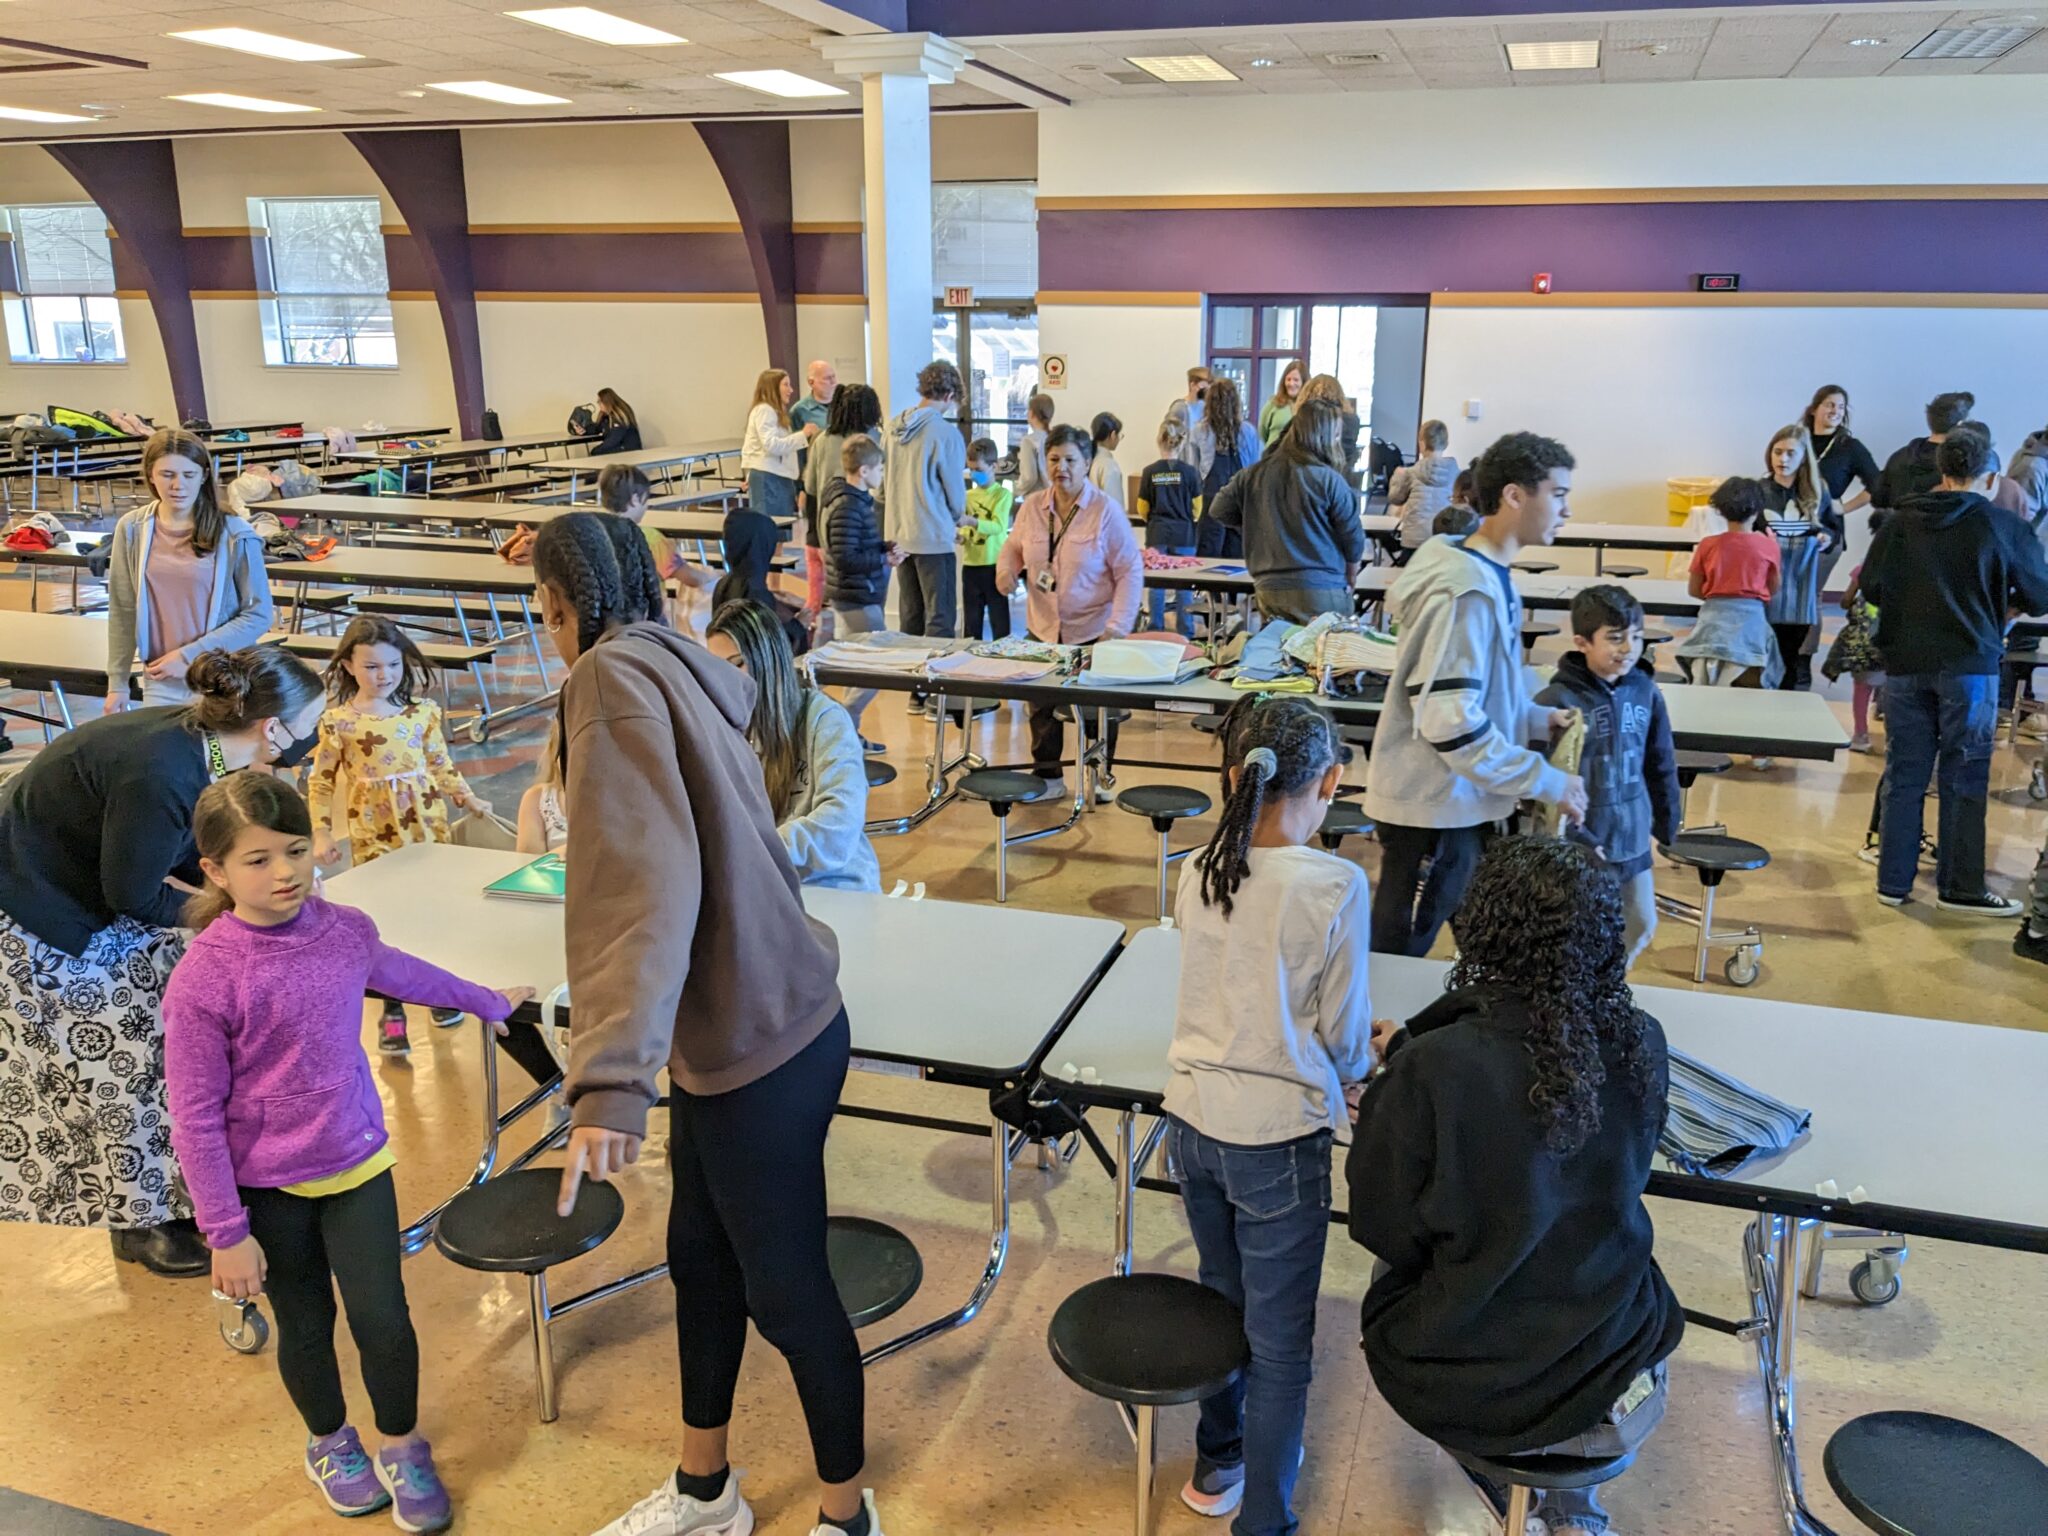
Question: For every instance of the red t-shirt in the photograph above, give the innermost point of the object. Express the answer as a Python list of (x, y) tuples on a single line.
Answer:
[(1736, 564)]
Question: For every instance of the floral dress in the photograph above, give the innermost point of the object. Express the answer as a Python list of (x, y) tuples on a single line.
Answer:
[(400, 777)]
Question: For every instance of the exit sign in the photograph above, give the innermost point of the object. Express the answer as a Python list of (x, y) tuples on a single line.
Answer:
[(1720, 282), (959, 298)]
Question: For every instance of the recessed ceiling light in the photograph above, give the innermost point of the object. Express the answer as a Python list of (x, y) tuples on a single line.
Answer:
[(780, 82), (1262, 63), (268, 44), (598, 26), (1868, 42), (490, 90), (1584, 55), (1182, 68), (37, 115), (241, 103), (1985, 42)]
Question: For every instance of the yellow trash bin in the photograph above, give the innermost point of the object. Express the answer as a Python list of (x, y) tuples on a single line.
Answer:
[(1684, 493)]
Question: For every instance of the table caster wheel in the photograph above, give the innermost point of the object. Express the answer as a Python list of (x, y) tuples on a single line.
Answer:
[(1742, 968), (247, 1332), (2037, 786), (479, 731), (1874, 1283)]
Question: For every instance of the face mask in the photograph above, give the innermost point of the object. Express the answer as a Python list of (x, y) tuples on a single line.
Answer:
[(297, 749), (979, 476)]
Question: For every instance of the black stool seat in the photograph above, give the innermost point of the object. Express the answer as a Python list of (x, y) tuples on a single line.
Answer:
[(878, 772), (1343, 819), (1692, 764), (1656, 637), (1531, 633), (1625, 571), (1534, 567), (1544, 1471), (1000, 786), (509, 1223), (1714, 854), (1149, 1340), (1920, 1474), (1163, 802), (875, 1267)]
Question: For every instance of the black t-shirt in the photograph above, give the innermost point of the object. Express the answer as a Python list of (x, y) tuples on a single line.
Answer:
[(96, 821), (1170, 488), (1842, 458)]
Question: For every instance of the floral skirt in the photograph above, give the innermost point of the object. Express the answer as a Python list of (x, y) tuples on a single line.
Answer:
[(85, 1131)]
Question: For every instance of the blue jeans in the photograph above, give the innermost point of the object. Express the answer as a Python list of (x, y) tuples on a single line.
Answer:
[(1183, 598), (1936, 726), (1614, 1437), (1260, 1216)]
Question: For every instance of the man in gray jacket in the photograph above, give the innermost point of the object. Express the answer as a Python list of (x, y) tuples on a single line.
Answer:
[(925, 502), (1449, 756)]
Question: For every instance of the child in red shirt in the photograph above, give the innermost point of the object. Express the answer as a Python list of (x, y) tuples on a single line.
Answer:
[(1734, 574)]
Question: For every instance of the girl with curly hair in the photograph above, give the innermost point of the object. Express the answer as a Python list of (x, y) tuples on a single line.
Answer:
[(1498, 1173)]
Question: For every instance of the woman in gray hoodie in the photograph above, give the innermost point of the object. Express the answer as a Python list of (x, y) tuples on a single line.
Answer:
[(1418, 491), (184, 577)]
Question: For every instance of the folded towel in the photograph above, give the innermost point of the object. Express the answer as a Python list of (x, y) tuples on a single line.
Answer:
[(1715, 1124)]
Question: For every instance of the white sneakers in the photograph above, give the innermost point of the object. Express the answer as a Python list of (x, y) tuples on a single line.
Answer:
[(665, 1512), (867, 1502)]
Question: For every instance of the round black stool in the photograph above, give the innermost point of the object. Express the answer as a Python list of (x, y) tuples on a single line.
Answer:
[(1000, 789), (1148, 1341), (1164, 804), (1920, 1474), (1624, 572), (1691, 765), (878, 772), (1656, 637), (1534, 567), (1525, 1476), (1713, 855), (508, 1225), (1343, 819), (875, 1268), (1531, 633)]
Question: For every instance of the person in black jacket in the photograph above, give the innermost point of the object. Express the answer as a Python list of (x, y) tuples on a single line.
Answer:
[(95, 838), (857, 558), (1628, 761), (752, 540), (1497, 1172), (1912, 471), (1947, 571), (617, 427)]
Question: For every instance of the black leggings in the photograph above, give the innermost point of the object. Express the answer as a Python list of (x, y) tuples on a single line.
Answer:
[(746, 1239), (1411, 903), (313, 1245)]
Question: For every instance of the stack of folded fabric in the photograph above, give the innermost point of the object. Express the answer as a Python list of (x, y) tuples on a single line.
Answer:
[(1126, 663), (884, 650), (993, 669), (1024, 648), (35, 534)]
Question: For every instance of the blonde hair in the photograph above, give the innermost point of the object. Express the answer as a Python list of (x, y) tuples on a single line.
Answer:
[(548, 771), (768, 391), (1436, 437), (1806, 484), (1325, 386), (1172, 434)]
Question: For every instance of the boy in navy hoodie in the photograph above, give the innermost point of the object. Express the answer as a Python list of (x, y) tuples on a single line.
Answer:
[(1628, 762)]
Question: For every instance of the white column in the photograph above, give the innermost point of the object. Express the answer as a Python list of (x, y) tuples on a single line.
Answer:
[(897, 72)]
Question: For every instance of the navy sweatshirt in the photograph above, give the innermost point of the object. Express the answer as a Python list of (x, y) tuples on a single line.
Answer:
[(1629, 763)]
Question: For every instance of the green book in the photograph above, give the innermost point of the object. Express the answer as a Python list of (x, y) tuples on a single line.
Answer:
[(545, 879)]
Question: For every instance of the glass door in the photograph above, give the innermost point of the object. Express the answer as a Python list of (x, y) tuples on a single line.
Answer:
[(1000, 346)]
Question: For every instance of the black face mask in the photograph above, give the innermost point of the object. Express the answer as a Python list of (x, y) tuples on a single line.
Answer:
[(297, 750)]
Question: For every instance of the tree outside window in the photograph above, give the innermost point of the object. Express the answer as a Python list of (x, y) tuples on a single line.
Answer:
[(329, 300), (58, 289)]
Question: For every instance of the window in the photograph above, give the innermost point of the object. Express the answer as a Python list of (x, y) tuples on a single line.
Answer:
[(1251, 340), (60, 305), (985, 237), (328, 303)]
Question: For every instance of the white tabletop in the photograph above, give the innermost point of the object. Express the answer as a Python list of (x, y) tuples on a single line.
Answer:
[(641, 458), (938, 984), (1552, 590), (1578, 535), (1925, 1115), (677, 523)]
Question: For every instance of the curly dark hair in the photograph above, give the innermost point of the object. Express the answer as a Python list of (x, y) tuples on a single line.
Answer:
[(855, 409), (1541, 922)]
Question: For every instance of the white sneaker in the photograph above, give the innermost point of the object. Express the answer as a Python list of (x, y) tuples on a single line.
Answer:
[(867, 1501), (665, 1512), (1055, 789), (1763, 764)]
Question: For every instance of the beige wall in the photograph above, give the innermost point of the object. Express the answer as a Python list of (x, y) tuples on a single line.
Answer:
[(217, 177), (613, 173), (419, 392), (825, 158), (30, 174)]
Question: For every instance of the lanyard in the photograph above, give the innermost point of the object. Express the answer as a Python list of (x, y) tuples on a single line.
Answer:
[(1055, 530)]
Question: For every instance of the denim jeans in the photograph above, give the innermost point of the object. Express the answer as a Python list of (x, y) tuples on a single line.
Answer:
[(1260, 1216), (1603, 1442), (1941, 726), (1183, 598), (1304, 605)]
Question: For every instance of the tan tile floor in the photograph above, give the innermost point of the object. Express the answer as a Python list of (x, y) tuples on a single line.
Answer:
[(119, 1397)]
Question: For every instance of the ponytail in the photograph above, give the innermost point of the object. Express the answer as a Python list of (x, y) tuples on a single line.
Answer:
[(1278, 745)]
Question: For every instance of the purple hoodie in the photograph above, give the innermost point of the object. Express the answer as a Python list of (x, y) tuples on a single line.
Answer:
[(263, 1052)]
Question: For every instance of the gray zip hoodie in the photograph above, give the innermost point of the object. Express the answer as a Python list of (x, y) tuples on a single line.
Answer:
[(1417, 492), (239, 610), (1448, 750), (925, 482)]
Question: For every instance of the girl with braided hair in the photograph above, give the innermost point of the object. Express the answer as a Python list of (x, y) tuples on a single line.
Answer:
[(1498, 1174), (1271, 1026), (688, 946)]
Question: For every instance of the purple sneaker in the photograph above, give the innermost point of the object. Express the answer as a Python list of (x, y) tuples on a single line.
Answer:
[(418, 1501), (340, 1468)]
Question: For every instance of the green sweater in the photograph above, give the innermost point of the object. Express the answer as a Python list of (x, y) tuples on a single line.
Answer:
[(989, 506)]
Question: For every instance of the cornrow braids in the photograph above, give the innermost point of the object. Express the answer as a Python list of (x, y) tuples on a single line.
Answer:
[(578, 555), (1279, 746)]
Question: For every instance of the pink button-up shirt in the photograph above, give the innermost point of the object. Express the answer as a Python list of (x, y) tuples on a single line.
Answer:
[(1100, 569)]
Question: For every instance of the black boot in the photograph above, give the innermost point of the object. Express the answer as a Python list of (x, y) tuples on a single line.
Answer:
[(2028, 945), (174, 1249)]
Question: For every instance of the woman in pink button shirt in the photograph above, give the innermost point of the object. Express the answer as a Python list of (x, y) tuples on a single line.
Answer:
[(1083, 572)]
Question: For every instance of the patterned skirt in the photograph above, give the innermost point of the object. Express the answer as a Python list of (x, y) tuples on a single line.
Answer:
[(85, 1131)]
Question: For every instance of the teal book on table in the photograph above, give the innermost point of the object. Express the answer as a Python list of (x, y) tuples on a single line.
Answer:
[(545, 879)]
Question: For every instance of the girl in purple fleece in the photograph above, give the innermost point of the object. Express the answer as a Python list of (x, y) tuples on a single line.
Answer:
[(280, 1132)]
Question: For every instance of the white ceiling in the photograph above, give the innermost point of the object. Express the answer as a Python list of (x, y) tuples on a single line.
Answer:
[(409, 43), (1755, 43), (405, 45)]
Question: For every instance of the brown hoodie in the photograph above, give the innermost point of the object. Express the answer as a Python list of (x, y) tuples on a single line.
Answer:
[(687, 942)]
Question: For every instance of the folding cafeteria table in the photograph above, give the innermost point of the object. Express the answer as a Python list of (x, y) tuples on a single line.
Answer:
[(940, 1023)]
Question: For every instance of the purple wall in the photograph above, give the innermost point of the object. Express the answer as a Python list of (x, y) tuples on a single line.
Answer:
[(996, 18), (609, 263), (1876, 247), (753, 160), (135, 184)]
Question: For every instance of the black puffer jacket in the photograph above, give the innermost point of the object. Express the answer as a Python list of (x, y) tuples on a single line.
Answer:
[(856, 569)]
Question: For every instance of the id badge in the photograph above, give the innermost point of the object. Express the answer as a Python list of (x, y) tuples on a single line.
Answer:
[(1046, 581)]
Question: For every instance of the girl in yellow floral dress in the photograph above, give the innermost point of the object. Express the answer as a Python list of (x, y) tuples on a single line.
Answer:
[(385, 738)]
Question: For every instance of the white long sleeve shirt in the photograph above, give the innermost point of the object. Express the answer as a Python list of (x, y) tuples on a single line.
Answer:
[(1273, 1016)]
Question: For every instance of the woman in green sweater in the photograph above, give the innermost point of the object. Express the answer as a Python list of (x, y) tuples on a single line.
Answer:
[(1279, 410)]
